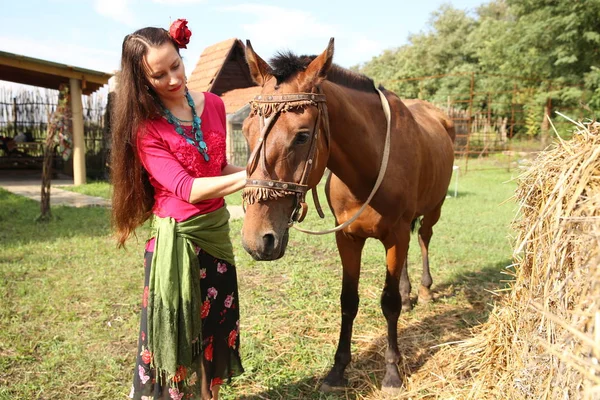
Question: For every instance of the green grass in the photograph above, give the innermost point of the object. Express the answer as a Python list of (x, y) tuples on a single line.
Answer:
[(98, 189), (103, 189), (69, 299)]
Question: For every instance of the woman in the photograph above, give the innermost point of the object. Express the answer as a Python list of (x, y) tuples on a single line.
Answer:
[(169, 165)]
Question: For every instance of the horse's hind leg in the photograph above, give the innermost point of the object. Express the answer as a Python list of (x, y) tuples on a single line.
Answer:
[(350, 249), (391, 302), (425, 233), (405, 287)]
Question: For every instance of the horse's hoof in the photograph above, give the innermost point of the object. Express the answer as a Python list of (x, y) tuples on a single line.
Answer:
[(392, 383), (391, 391), (425, 295), (406, 307), (327, 388), (334, 381)]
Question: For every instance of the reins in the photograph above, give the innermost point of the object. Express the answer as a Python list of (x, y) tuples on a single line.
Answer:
[(384, 163), (268, 109)]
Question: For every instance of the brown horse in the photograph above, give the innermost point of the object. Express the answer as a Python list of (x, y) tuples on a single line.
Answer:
[(312, 114)]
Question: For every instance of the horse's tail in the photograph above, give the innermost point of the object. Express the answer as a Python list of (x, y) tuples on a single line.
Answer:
[(449, 125)]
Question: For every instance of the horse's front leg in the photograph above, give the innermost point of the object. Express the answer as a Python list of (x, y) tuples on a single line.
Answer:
[(391, 303), (350, 249)]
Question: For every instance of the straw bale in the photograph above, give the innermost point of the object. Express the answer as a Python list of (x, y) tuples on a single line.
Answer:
[(542, 340)]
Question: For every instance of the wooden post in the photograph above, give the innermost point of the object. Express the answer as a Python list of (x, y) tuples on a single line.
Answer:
[(15, 119), (545, 128), (488, 131), (229, 141), (79, 172), (489, 109), (470, 123), (512, 109)]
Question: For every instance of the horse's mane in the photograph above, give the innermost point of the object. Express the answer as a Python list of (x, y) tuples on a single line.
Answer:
[(286, 64)]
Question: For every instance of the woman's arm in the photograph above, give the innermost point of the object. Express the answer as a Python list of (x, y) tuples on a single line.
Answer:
[(217, 186), (231, 169), (232, 179), (167, 170)]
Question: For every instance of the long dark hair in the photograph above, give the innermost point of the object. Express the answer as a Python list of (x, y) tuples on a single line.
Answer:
[(135, 102)]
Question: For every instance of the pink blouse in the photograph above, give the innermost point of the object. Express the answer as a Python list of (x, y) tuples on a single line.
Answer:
[(173, 164)]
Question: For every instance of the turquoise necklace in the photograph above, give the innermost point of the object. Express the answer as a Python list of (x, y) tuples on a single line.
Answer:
[(200, 144)]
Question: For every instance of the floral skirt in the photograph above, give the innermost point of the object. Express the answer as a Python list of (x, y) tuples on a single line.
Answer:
[(220, 357)]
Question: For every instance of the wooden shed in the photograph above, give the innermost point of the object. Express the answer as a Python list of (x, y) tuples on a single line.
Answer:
[(222, 70), (47, 74)]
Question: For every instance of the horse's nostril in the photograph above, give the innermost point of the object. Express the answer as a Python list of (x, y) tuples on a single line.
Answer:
[(269, 241)]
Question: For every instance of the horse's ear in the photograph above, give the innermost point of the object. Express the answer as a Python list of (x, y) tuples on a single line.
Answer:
[(316, 72), (259, 69)]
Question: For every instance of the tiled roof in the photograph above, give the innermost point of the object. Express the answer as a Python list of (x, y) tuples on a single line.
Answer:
[(238, 98), (222, 69), (210, 63)]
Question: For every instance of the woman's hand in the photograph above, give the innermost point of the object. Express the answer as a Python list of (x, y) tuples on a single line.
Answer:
[(218, 186)]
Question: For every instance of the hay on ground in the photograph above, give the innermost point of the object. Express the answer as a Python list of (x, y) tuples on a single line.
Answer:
[(542, 341)]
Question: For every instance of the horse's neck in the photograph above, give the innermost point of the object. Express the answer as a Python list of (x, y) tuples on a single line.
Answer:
[(357, 126)]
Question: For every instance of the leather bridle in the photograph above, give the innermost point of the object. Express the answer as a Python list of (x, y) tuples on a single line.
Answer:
[(268, 108)]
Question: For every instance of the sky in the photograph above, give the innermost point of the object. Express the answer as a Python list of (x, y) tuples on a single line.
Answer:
[(89, 33)]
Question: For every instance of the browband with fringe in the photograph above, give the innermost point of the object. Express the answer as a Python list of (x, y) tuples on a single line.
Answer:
[(266, 106)]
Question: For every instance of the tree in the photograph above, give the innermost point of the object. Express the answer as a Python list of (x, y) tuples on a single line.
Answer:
[(548, 48), (439, 50), (59, 128)]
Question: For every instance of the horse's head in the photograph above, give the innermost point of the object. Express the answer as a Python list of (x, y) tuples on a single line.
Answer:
[(287, 131)]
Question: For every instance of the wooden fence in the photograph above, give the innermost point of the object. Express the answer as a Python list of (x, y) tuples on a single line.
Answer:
[(28, 112), (489, 118)]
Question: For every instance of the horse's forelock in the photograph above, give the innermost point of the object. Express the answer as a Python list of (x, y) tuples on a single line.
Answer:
[(286, 64)]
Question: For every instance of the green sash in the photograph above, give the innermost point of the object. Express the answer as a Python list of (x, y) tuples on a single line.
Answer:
[(174, 305)]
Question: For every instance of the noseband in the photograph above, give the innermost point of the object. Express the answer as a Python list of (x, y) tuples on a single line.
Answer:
[(268, 108)]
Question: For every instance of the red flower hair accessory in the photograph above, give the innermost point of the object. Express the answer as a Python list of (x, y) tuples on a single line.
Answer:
[(180, 33)]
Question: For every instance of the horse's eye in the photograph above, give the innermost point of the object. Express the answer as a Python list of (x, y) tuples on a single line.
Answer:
[(301, 138)]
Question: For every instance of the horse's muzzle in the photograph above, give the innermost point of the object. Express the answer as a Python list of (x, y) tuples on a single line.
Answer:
[(266, 247)]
